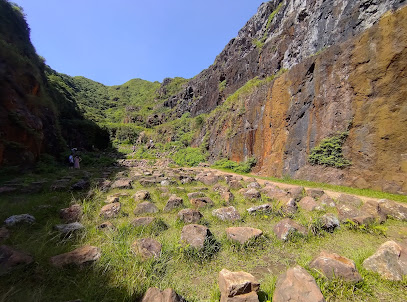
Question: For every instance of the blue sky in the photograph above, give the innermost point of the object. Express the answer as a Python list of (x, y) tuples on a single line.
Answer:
[(114, 41)]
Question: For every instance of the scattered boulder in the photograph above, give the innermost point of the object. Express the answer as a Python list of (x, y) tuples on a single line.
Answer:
[(348, 212), (82, 184), (233, 285), (145, 207), (332, 265), (148, 182), (235, 185), (296, 192), (11, 259), (69, 228), (142, 221), (104, 185), (220, 189), (141, 195), (61, 185), (107, 225), (264, 208), (254, 185), (17, 219), (390, 261), (195, 235), (326, 201), (71, 214), (202, 202), (372, 208), (314, 193), (286, 227), (228, 197), (122, 183), (393, 209), (173, 202), (308, 203), (349, 200), (110, 210), (79, 257), (275, 193), (228, 213), (208, 180), (252, 194), (189, 215), (4, 234), (147, 248), (242, 234), (195, 195), (330, 222), (297, 285), (155, 295), (112, 199)]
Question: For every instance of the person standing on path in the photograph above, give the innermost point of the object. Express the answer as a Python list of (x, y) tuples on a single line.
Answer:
[(77, 160), (71, 161)]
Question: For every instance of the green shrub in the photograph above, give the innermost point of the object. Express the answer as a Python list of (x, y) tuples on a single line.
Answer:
[(243, 167), (329, 152), (189, 157)]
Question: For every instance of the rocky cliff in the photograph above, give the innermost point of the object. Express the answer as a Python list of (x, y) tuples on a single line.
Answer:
[(346, 71)]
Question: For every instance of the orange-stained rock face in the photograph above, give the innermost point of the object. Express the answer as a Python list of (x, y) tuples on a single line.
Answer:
[(360, 85)]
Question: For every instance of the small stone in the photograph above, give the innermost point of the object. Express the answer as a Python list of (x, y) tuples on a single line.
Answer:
[(208, 180), (110, 210), (228, 213), (147, 248), (112, 199), (309, 204), (220, 189), (4, 234), (80, 257), (202, 202), (349, 200), (233, 284), (165, 183), (252, 194), (122, 183), (330, 222), (314, 193), (142, 221), (189, 215), (17, 219), (145, 207), (69, 228), (71, 214), (264, 208), (297, 285), (195, 235), (287, 226), (173, 202), (242, 234), (335, 266), (11, 259), (155, 295), (107, 225), (390, 261), (82, 184)]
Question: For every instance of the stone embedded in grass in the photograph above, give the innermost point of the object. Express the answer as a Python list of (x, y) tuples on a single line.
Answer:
[(186, 180), (195, 195), (195, 235), (297, 285), (141, 195), (308, 203), (390, 261), (228, 213), (110, 210), (264, 208), (252, 194), (11, 259), (235, 284), (147, 248), (332, 266), (173, 202), (314, 193), (189, 215), (104, 185), (71, 214), (287, 227), (296, 192), (329, 222), (235, 185), (145, 207), (69, 228), (348, 212), (274, 192), (220, 189), (112, 199), (243, 234), (326, 201), (208, 179), (148, 182), (202, 202), (349, 200), (393, 209), (155, 295), (79, 257), (142, 221), (4, 234), (254, 185), (228, 197), (21, 218), (82, 184), (372, 208), (107, 225), (61, 185), (122, 183)]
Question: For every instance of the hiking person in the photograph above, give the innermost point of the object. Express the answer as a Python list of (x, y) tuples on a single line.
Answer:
[(77, 160), (71, 161)]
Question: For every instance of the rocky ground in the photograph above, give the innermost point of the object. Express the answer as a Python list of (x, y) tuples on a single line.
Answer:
[(139, 228)]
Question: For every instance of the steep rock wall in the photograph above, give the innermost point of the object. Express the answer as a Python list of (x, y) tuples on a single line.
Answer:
[(358, 85)]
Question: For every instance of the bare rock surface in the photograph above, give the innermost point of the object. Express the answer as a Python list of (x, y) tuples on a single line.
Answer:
[(335, 266), (155, 295), (195, 235), (228, 213), (79, 257), (286, 227), (242, 234), (11, 259), (147, 248), (390, 261), (17, 219), (297, 285), (110, 210), (71, 214), (189, 215), (145, 207)]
